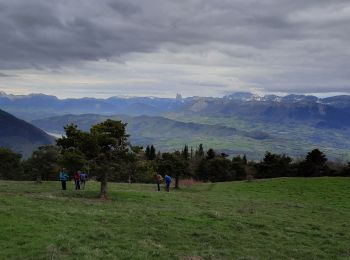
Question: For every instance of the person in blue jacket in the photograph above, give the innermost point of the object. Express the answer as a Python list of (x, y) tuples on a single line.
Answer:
[(167, 182), (64, 178), (83, 179)]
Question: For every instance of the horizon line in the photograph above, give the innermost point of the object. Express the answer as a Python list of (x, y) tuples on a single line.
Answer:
[(174, 96)]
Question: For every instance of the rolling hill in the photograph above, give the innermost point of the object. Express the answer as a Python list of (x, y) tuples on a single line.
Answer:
[(21, 136), (166, 134), (226, 134)]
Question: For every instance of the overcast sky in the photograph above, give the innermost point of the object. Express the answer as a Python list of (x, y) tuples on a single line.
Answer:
[(163, 47)]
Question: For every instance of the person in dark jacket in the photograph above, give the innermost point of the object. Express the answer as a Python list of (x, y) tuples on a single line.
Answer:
[(167, 182), (64, 178)]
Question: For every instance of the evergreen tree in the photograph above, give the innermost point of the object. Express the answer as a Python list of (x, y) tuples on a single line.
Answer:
[(10, 165), (217, 169), (273, 166), (200, 151), (211, 154), (43, 164), (239, 167), (244, 160), (346, 170), (314, 164), (148, 152), (185, 153), (316, 157), (152, 153)]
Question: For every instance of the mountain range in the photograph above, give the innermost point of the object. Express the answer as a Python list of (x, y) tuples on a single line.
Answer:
[(238, 123), (36, 106), (332, 112)]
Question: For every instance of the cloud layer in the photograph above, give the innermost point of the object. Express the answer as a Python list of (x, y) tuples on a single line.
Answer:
[(160, 47)]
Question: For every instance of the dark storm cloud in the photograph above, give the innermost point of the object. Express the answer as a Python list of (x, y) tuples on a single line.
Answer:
[(289, 37), (125, 8), (5, 75)]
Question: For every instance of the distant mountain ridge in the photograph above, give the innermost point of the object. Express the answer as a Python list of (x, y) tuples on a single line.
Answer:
[(239, 96), (331, 112), (21, 136), (39, 105), (247, 96)]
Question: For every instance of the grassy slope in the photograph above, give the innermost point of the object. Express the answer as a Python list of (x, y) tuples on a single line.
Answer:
[(269, 219)]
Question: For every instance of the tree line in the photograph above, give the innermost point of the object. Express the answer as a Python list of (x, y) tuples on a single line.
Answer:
[(105, 154)]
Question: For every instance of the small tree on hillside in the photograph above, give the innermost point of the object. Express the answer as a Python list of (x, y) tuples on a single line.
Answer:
[(273, 166), (314, 164), (316, 157), (104, 146), (174, 165)]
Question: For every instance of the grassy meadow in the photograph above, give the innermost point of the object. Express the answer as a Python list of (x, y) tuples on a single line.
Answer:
[(283, 218)]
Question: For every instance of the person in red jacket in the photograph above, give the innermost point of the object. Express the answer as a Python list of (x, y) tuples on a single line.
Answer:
[(159, 179), (76, 178)]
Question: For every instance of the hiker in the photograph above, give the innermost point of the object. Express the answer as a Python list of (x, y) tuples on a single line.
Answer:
[(167, 182), (64, 178), (76, 178), (159, 179), (83, 178)]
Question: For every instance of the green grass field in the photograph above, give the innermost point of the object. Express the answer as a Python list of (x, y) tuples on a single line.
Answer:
[(268, 219)]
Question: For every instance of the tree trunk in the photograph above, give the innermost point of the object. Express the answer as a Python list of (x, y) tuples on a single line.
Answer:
[(177, 182), (103, 192)]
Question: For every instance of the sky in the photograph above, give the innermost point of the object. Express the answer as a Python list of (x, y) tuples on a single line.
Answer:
[(163, 47)]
